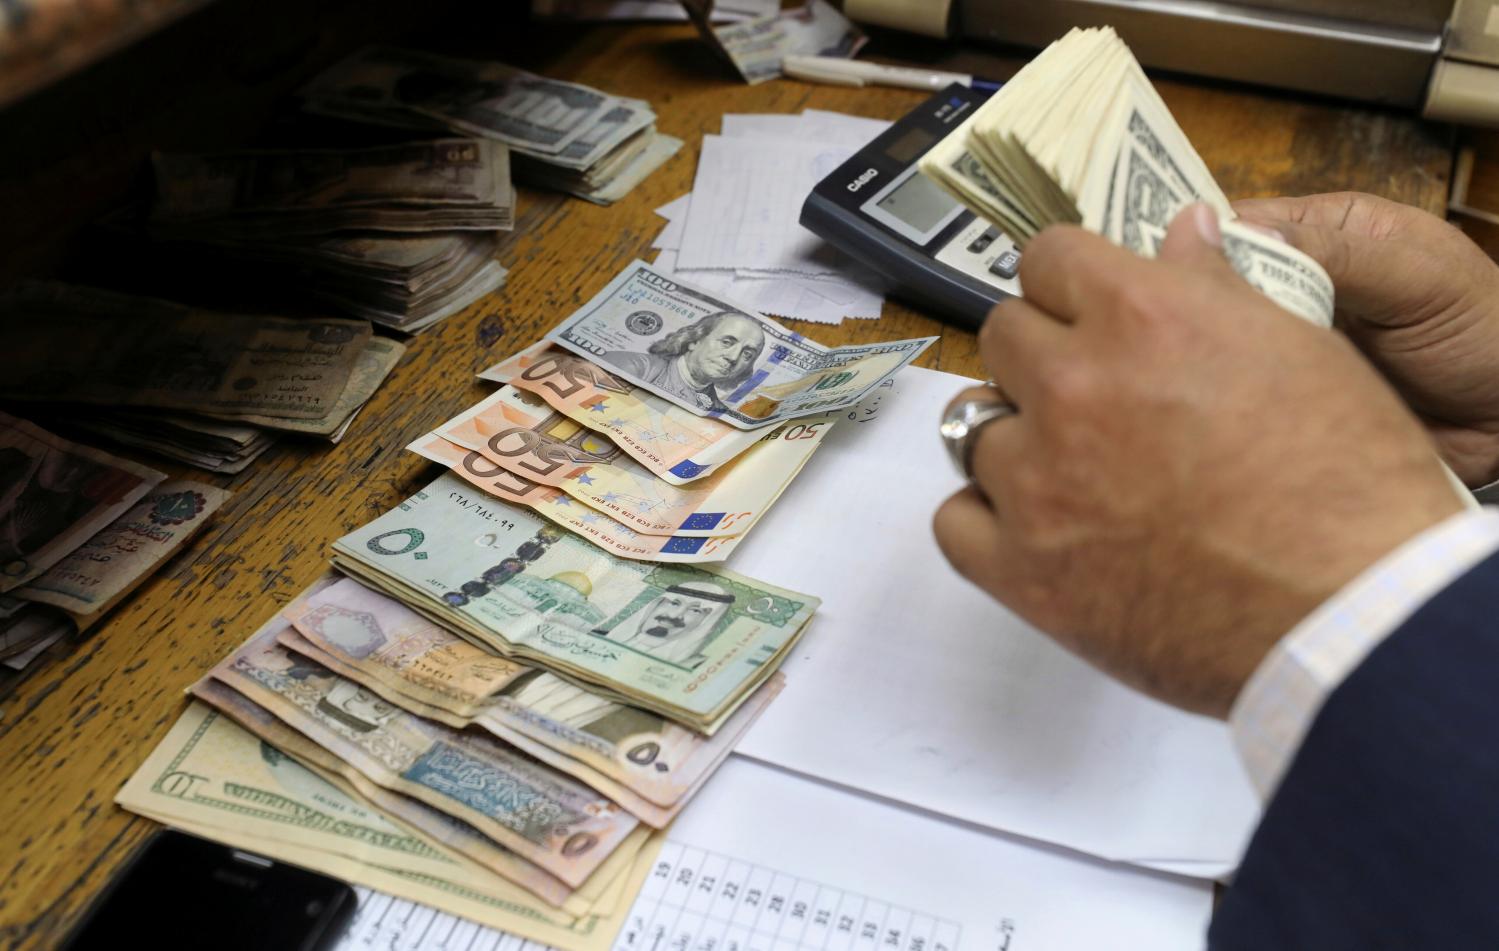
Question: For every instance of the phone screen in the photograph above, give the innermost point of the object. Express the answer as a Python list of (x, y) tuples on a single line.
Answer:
[(183, 891)]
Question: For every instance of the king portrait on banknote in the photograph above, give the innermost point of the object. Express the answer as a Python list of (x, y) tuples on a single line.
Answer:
[(699, 362)]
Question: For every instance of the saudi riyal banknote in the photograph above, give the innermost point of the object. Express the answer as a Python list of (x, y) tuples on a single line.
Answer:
[(653, 757), (96, 575), (720, 359), (521, 432), (55, 495), (687, 641), (548, 819), (607, 532), (215, 778), (678, 445)]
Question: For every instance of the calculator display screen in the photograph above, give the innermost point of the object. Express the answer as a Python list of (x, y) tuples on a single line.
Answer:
[(906, 148), (917, 202)]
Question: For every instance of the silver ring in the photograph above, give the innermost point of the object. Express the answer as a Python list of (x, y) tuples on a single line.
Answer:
[(961, 425)]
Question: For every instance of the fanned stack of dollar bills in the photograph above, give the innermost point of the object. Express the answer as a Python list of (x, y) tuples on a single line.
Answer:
[(403, 235), (209, 389), (1080, 136), (79, 530), (530, 664), (561, 135)]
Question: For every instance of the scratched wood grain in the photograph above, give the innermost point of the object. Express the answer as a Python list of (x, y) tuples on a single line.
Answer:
[(71, 734)]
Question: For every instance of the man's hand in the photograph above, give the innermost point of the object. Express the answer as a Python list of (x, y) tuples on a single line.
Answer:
[(1420, 299), (1192, 470)]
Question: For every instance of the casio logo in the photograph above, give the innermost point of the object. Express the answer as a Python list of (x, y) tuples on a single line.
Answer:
[(862, 180)]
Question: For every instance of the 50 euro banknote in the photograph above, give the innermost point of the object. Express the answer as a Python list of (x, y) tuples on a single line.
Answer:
[(678, 445), (521, 432), (600, 528)]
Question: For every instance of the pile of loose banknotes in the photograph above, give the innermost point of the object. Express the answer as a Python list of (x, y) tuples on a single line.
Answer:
[(79, 530), (519, 673), (209, 389), (401, 234), (756, 46)]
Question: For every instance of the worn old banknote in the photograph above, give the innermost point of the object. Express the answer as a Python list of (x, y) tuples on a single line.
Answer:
[(412, 88), (215, 778), (366, 631), (55, 495), (545, 817), (106, 567), (170, 356)]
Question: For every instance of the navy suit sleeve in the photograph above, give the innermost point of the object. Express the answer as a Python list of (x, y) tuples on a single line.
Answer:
[(1384, 832)]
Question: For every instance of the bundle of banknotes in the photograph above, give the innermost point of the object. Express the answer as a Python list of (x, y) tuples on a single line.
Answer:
[(1080, 136), (209, 389), (530, 664), (403, 235), (79, 530), (755, 46), (561, 135)]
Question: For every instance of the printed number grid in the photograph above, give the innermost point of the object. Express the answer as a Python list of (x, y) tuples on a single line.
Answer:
[(695, 900)]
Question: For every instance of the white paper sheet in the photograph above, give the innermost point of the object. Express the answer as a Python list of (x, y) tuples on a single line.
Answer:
[(746, 200), (811, 125), (914, 685), (675, 213), (766, 860), (826, 301)]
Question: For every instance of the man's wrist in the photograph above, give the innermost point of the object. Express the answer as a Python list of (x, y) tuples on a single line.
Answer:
[(1284, 694)]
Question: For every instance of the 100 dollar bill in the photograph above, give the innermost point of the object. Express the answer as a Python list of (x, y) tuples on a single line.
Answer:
[(718, 358)]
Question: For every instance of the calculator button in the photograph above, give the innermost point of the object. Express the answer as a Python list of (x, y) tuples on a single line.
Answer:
[(1006, 265), (979, 244)]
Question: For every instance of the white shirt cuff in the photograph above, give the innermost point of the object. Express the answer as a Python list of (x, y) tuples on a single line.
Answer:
[(1282, 697)]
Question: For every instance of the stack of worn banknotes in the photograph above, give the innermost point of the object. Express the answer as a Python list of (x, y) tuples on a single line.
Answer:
[(561, 135), (516, 676), (210, 389), (403, 235), (79, 530)]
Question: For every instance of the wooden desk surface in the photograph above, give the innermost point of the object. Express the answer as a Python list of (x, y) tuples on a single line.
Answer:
[(72, 733)]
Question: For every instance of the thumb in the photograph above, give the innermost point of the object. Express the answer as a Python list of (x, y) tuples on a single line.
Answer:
[(1362, 269), (1195, 239)]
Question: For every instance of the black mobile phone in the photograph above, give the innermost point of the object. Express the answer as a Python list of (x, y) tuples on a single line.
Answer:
[(180, 891)]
